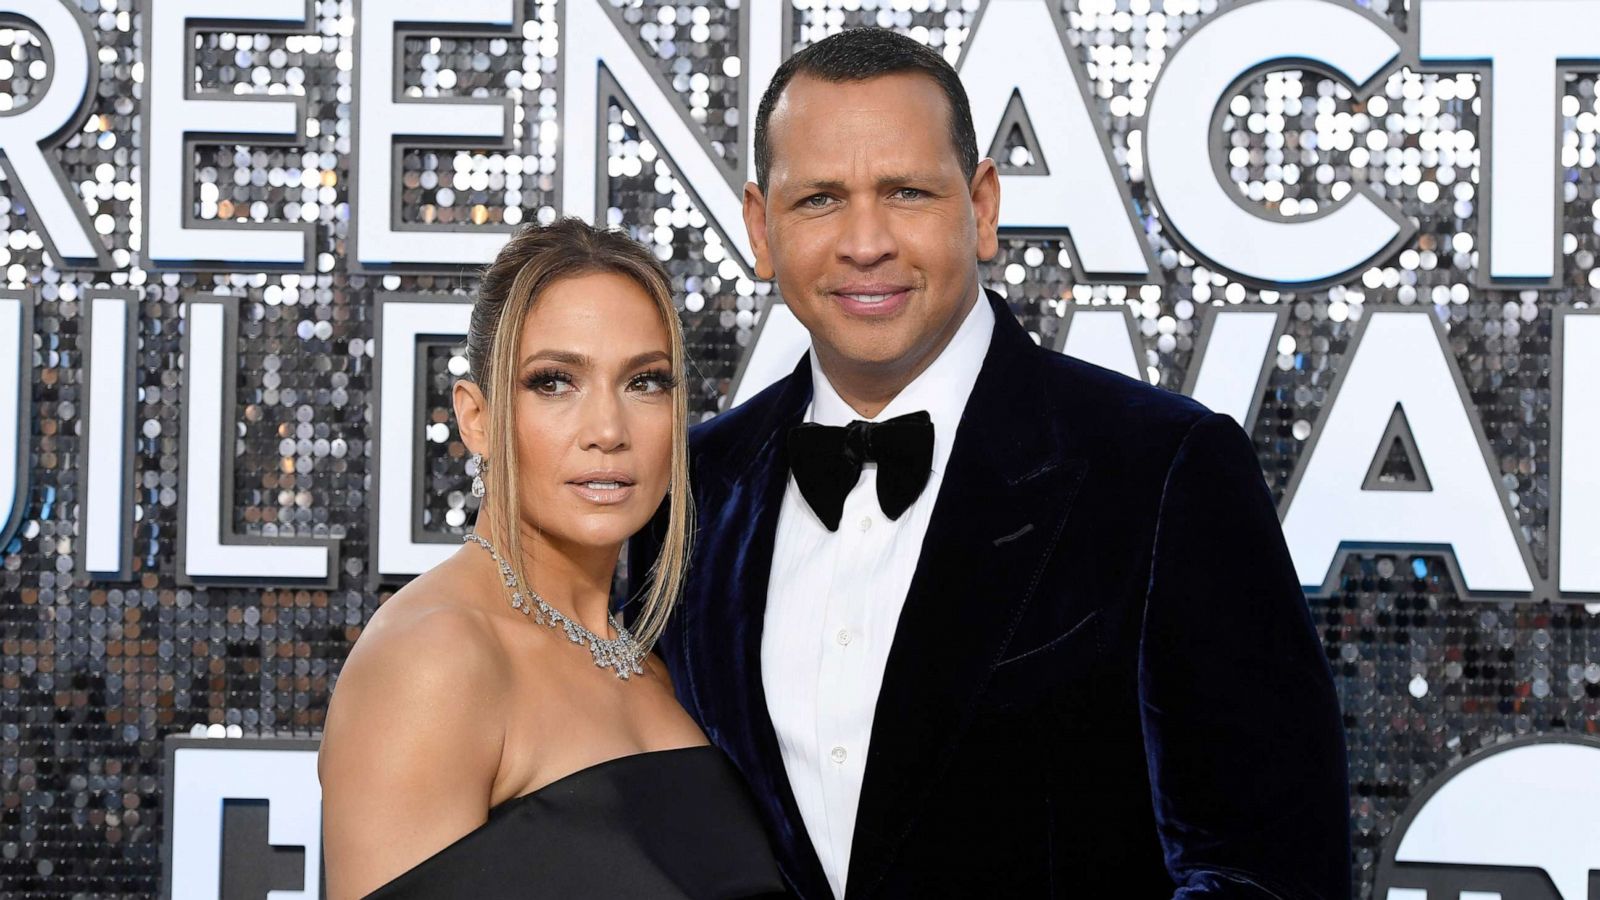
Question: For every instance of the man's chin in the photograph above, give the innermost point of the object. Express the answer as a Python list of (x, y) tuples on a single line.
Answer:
[(871, 355)]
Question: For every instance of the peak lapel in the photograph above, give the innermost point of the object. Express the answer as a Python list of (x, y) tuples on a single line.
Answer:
[(723, 626), (1001, 507)]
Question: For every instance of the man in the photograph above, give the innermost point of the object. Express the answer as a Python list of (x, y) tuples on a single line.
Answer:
[(1034, 632)]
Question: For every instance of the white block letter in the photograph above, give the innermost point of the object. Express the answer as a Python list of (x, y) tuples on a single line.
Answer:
[(402, 321), (1232, 357), (381, 241), (209, 344), (1400, 357), (174, 120), (1019, 48), (1103, 336), (16, 387), (1575, 446), (599, 61), (1344, 42), (1523, 44), (106, 435), (53, 206)]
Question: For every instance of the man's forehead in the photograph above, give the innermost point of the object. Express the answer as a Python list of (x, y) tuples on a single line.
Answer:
[(825, 117), (805, 92)]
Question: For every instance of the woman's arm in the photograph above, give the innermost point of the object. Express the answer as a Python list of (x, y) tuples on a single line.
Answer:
[(411, 744)]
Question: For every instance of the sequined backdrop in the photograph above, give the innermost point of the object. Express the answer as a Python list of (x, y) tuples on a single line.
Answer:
[(95, 673)]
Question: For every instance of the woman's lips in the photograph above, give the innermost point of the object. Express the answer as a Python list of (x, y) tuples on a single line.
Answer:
[(602, 492), (872, 302)]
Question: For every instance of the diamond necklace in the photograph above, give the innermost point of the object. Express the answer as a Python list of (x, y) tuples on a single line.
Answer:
[(622, 653)]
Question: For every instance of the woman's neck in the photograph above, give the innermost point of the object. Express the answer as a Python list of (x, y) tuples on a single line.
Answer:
[(574, 578)]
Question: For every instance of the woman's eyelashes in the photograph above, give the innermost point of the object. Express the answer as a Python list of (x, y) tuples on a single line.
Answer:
[(559, 383), (550, 382), (656, 381)]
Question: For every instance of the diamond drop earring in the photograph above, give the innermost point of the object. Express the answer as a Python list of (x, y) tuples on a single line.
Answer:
[(482, 465)]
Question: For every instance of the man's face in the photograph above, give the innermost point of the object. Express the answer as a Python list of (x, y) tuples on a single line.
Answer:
[(868, 223)]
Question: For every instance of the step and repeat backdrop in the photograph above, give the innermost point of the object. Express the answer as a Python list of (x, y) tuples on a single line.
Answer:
[(238, 245)]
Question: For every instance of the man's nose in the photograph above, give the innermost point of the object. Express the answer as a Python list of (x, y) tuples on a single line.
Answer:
[(866, 238)]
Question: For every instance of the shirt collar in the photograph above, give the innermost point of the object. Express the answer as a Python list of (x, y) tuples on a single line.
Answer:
[(941, 389)]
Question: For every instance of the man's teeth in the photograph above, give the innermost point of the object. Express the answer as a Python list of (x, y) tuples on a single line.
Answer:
[(869, 298)]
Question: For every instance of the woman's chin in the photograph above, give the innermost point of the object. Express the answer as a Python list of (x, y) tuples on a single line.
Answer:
[(599, 528), (567, 518)]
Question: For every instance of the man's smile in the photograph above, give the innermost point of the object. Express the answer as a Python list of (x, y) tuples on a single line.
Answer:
[(871, 299)]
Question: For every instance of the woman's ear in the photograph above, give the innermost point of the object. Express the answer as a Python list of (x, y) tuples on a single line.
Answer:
[(472, 415)]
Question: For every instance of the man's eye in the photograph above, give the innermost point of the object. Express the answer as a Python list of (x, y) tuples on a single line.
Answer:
[(816, 201), (909, 193)]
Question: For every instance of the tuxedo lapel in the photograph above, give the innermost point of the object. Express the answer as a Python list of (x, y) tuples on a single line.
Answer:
[(1004, 499), (724, 615)]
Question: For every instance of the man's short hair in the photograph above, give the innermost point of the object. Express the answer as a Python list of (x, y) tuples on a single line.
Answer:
[(857, 55)]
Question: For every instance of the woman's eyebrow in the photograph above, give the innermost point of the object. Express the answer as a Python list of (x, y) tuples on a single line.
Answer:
[(566, 357), (583, 361), (649, 356)]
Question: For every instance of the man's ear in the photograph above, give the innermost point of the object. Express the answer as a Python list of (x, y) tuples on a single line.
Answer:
[(755, 225), (986, 208), (472, 415)]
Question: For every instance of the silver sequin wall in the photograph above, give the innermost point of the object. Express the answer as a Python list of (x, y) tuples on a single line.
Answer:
[(93, 675)]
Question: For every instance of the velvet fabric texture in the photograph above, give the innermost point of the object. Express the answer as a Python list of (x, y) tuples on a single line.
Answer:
[(1105, 680)]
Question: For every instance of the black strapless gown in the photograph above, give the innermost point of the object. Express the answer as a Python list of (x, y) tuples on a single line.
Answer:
[(666, 823)]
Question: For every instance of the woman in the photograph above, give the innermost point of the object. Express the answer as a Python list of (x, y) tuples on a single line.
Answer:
[(494, 732)]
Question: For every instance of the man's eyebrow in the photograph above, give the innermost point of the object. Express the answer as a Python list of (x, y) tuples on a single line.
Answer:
[(907, 178), (884, 181), (819, 184)]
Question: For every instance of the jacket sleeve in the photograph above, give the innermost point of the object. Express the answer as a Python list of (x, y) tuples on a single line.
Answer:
[(1242, 730)]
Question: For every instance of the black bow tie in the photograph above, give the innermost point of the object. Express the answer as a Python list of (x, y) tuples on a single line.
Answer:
[(827, 459)]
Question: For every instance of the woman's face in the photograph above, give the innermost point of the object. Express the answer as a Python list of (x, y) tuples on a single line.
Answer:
[(594, 408)]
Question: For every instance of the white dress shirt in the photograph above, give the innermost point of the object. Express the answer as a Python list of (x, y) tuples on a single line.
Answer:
[(834, 600)]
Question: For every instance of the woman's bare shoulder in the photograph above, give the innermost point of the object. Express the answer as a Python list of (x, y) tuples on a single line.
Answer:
[(428, 638), (424, 645), (413, 737)]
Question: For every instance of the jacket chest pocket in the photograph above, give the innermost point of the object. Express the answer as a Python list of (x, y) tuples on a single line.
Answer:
[(1061, 667)]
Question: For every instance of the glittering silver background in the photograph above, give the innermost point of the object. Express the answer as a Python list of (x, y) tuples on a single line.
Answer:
[(93, 675)]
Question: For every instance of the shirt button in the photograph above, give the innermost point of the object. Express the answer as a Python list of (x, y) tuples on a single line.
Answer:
[(838, 755), (866, 523), (843, 637)]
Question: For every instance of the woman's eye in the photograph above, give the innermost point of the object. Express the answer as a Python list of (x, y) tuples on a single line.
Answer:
[(652, 383), (550, 383)]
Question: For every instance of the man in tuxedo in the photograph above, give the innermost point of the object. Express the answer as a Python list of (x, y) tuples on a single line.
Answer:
[(977, 619)]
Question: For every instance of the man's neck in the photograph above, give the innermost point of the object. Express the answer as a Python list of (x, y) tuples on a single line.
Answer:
[(868, 388)]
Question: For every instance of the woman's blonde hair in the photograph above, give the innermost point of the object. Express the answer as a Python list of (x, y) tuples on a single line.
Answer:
[(533, 259)]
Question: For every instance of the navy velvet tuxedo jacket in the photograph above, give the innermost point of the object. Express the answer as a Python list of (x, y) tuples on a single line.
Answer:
[(1105, 682)]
